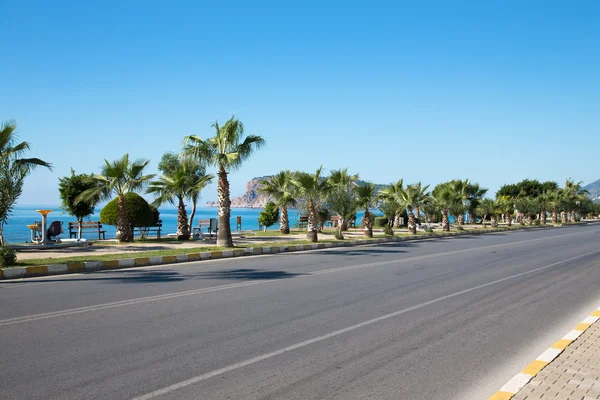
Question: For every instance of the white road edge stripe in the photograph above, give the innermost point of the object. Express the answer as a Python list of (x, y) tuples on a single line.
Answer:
[(308, 342)]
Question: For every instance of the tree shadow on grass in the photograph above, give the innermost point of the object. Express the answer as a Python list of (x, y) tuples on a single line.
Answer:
[(246, 274)]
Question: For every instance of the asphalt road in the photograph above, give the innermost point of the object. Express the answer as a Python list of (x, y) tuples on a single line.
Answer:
[(436, 319)]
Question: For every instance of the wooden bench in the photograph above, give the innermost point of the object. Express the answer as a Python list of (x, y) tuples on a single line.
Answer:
[(144, 231), (86, 225), (197, 232), (303, 223)]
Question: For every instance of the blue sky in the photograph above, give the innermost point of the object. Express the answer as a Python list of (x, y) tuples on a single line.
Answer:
[(495, 91)]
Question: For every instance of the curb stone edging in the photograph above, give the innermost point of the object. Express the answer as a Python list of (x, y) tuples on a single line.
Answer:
[(521, 379), (92, 266)]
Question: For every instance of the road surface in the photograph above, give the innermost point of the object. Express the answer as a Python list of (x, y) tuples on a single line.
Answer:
[(444, 319)]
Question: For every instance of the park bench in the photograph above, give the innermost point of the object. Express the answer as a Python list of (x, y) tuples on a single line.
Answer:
[(144, 231), (210, 228), (303, 223), (86, 225)]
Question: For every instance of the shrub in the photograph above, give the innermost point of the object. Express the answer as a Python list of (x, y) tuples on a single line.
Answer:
[(8, 257), (388, 230), (139, 212), (269, 216), (459, 228), (428, 229), (338, 235), (536, 222), (380, 222)]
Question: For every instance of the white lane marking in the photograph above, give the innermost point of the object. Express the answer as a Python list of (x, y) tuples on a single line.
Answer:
[(79, 310), (514, 382)]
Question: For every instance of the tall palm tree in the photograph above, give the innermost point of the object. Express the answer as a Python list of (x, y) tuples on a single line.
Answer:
[(445, 197), (14, 168), (365, 196), (554, 204), (174, 187), (460, 204), (118, 178), (414, 197), (574, 195), (392, 194), (313, 189), (283, 192), (506, 206), (474, 194), (226, 151)]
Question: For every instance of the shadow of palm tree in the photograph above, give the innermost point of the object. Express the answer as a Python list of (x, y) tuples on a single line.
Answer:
[(246, 274)]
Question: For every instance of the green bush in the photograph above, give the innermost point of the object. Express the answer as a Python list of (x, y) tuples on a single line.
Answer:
[(387, 230), (380, 222), (338, 235), (459, 228), (8, 257), (269, 216), (139, 212), (536, 222), (428, 229)]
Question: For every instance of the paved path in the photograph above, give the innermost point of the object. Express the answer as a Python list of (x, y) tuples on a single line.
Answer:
[(445, 319), (573, 375)]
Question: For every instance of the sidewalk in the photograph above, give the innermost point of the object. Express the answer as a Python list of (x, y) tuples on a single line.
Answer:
[(573, 375)]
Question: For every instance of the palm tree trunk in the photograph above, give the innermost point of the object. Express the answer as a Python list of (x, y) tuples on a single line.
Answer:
[(312, 234), (397, 220), (461, 219), (508, 219), (368, 224), (80, 229), (472, 218), (123, 226), (563, 217), (224, 238), (494, 222), (573, 216), (554, 217), (543, 217), (1, 236), (445, 220), (183, 230), (343, 225), (529, 219), (412, 226), (284, 226), (193, 213)]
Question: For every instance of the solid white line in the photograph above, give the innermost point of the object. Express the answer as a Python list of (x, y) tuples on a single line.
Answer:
[(308, 342), (79, 310)]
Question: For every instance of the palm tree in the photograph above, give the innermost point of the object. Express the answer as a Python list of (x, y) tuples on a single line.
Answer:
[(13, 170), (414, 197), (226, 151), (574, 196), (365, 196), (392, 194), (281, 189), (488, 207), (459, 205), (474, 194), (313, 189), (118, 178), (175, 186), (445, 198), (528, 206), (554, 204), (343, 181), (506, 206)]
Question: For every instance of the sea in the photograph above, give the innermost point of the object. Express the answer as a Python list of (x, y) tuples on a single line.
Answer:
[(16, 231)]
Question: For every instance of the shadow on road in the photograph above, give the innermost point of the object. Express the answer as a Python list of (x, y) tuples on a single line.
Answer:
[(246, 274)]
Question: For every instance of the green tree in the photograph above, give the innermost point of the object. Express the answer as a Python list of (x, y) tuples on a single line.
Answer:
[(414, 197), (365, 197), (139, 212), (445, 199), (116, 179), (14, 168), (313, 189), (176, 185), (474, 195), (227, 151), (282, 190), (344, 203), (392, 197), (488, 207), (341, 180), (269, 216), (71, 187)]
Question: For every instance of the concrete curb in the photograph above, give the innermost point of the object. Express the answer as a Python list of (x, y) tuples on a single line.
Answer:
[(92, 266), (530, 371)]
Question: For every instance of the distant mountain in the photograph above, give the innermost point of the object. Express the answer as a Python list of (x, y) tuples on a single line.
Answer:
[(594, 189), (252, 198)]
